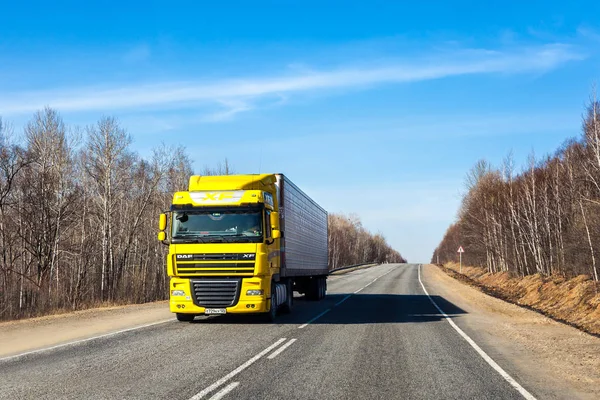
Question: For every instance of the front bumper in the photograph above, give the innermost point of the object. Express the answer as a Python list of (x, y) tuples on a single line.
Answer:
[(245, 304)]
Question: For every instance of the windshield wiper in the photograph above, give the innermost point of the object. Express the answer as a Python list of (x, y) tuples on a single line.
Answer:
[(187, 239), (228, 238), (239, 237)]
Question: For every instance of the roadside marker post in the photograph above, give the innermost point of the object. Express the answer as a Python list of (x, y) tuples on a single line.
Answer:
[(460, 251)]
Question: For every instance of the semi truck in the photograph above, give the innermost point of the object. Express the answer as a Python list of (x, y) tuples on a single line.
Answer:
[(242, 244)]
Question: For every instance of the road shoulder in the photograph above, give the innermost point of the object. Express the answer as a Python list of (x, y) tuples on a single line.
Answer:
[(556, 359), (36, 333)]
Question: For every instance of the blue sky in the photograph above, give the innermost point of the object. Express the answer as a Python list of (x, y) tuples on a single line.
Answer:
[(373, 108)]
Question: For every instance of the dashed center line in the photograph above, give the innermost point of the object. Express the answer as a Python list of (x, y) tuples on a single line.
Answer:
[(314, 319), (282, 348), (223, 392), (343, 300), (236, 371)]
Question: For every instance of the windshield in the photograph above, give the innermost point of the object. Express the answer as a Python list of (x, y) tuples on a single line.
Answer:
[(243, 226)]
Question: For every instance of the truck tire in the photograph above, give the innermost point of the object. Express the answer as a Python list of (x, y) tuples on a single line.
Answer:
[(289, 298), (270, 315), (323, 287), (313, 290), (185, 317), (321, 290)]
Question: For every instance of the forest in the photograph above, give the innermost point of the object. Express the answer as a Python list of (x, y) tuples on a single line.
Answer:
[(76, 233), (542, 219)]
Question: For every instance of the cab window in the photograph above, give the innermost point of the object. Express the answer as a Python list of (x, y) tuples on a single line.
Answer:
[(268, 223)]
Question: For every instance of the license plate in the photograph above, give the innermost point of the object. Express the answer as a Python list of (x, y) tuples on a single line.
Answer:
[(215, 311)]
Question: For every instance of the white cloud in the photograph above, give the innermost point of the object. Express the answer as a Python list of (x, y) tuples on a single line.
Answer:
[(243, 91), (232, 107)]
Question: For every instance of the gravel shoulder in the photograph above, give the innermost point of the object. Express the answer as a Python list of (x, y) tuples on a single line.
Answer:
[(543, 353), (31, 334)]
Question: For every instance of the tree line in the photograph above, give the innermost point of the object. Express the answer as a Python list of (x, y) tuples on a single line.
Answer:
[(350, 243), (544, 219), (78, 212), (78, 217)]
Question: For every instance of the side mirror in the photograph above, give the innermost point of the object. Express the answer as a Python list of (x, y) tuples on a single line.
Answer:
[(162, 222), (274, 221), (275, 233), (162, 236)]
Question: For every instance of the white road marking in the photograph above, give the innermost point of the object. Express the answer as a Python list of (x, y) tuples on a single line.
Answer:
[(369, 284), (58, 346), (478, 349), (342, 300), (314, 319), (282, 348), (221, 393), (236, 371), (364, 287)]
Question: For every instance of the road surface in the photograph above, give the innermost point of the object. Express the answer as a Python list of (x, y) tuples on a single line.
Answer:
[(377, 335)]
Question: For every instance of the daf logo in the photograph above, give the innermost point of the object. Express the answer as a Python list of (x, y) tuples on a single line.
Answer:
[(184, 256), (248, 255)]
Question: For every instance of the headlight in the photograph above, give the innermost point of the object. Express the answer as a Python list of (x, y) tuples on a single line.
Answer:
[(177, 293), (254, 292)]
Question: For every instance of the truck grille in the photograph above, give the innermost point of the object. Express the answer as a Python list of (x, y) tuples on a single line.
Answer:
[(240, 264), (216, 257), (245, 269), (216, 293)]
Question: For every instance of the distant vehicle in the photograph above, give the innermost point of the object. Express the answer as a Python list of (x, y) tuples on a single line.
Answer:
[(241, 244)]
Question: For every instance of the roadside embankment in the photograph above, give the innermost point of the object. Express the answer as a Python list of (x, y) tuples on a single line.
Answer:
[(574, 301)]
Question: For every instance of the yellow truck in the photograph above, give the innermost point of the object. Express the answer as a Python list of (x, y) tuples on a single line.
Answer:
[(242, 244)]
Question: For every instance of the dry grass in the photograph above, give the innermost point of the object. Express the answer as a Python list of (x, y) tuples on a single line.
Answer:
[(81, 309), (575, 301)]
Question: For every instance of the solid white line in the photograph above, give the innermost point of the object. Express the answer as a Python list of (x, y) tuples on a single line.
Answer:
[(58, 346), (221, 393), (478, 349), (282, 348), (236, 371), (314, 319)]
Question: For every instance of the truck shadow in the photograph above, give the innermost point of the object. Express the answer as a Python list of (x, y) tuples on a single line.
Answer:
[(356, 309)]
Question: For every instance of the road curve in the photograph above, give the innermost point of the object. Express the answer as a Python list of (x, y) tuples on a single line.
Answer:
[(377, 335)]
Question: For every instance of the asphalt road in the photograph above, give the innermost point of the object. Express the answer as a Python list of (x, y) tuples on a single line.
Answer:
[(378, 337)]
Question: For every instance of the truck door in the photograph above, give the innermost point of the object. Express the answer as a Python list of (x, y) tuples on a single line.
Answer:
[(272, 244)]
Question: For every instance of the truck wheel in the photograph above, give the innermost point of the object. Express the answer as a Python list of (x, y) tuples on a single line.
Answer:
[(323, 287), (313, 291), (185, 317), (270, 315), (289, 298)]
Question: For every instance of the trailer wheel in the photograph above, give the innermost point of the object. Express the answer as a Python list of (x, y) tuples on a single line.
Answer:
[(185, 317), (312, 289), (289, 298), (323, 282), (321, 288)]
